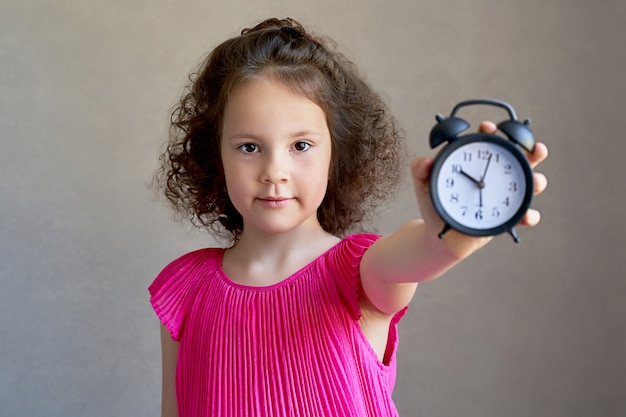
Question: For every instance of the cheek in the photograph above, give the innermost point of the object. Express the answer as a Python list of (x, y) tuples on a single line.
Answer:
[(331, 170), (230, 169), (323, 179), (230, 177), (232, 182)]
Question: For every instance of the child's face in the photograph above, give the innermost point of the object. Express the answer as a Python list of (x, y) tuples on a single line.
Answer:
[(276, 151)]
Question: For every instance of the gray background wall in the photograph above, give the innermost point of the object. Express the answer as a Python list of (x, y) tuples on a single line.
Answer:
[(535, 329)]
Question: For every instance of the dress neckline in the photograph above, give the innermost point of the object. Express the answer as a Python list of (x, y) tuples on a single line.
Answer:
[(286, 281)]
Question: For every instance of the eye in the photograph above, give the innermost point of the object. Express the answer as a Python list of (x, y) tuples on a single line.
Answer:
[(301, 146), (249, 148)]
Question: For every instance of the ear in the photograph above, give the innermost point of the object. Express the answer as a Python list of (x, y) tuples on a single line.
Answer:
[(519, 133), (446, 130)]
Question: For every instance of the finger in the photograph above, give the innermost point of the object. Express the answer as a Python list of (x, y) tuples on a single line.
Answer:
[(531, 218), (487, 127), (421, 167), (541, 182), (539, 153)]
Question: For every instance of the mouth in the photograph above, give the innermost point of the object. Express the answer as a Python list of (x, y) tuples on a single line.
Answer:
[(274, 202)]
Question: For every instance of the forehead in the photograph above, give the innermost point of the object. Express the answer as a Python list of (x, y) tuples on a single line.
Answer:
[(305, 80), (266, 88), (265, 102)]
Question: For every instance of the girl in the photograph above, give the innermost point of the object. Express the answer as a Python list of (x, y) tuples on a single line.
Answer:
[(279, 145)]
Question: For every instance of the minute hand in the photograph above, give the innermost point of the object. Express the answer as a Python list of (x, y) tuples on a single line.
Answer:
[(480, 184), (482, 180)]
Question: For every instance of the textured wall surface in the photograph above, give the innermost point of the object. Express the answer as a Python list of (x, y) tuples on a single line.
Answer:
[(517, 330)]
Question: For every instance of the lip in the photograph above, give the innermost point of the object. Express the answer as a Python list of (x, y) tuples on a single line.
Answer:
[(274, 202)]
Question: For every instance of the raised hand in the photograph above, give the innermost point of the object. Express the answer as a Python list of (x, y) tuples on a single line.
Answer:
[(458, 244)]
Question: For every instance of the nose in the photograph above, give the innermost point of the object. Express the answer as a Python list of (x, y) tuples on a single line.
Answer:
[(275, 168)]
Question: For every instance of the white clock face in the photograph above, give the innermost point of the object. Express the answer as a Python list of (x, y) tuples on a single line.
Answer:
[(481, 185)]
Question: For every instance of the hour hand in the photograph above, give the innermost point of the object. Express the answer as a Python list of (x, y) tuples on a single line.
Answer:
[(475, 181)]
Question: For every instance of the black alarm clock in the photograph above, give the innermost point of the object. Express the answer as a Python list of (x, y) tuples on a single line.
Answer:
[(481, 184)]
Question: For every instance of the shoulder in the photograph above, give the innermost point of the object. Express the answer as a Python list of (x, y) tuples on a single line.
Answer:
[(357, 244), (196, 257), (343, 263), (186, 266), (353, 247), (171, 290)]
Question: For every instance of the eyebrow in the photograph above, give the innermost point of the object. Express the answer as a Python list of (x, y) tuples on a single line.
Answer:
[(247, 135)]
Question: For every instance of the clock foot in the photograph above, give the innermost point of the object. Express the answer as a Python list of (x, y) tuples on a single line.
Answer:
[(513, 234), (445, 229)]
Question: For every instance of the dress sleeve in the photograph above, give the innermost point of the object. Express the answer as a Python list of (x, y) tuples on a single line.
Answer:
[(345, 263), (170, 291)]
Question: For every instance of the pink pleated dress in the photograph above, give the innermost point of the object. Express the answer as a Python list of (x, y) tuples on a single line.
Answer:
[(291, 349)]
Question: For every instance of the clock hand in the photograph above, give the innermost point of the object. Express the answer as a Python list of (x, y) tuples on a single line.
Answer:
[(471, 178), (480, 185), (486, 168)]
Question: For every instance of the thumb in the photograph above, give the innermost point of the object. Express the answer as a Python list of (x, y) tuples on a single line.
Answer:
[(420, 169)]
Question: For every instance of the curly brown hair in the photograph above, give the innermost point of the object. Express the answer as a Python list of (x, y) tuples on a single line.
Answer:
[(367, 148)]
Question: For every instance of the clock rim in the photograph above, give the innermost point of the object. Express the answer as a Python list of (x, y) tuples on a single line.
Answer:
[(465, 140)]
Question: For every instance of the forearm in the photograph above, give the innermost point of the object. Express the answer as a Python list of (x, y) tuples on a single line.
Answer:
[(413, 253)]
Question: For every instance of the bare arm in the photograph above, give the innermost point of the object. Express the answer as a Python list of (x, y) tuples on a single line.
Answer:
[(169, 351), (392, 267)]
